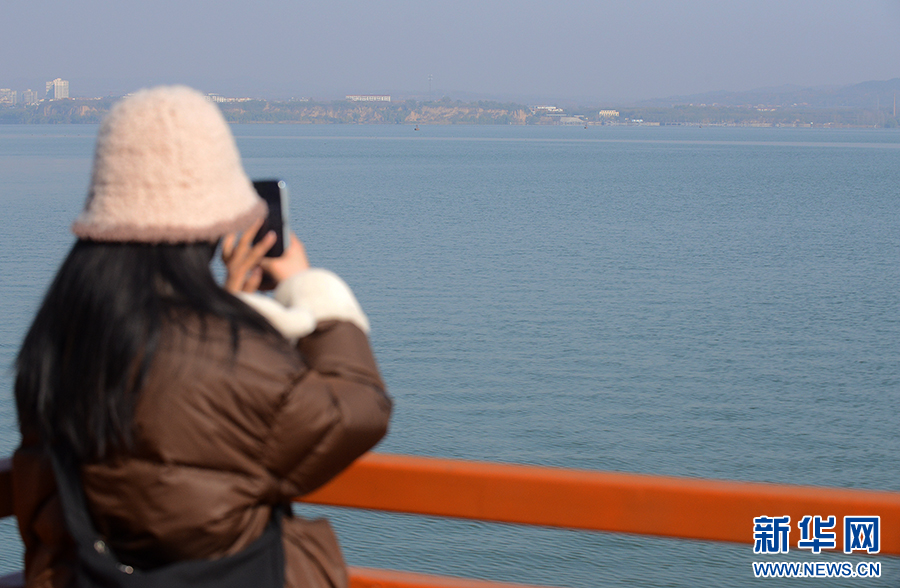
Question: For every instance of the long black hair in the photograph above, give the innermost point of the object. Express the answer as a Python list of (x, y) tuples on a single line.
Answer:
[(88, 350)]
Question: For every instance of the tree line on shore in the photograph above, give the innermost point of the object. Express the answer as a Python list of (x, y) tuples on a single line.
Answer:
[(447, 111)]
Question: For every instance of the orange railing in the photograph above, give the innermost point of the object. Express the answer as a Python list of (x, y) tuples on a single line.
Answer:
[(575, 499)]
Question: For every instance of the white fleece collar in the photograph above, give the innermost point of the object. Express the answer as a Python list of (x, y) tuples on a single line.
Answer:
[(304, 300)]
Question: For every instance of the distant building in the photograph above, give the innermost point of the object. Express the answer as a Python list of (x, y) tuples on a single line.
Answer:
[(547, 110), (7, 96), (220, 99), (58, 89), (609, 114), (30, 97), (368, 98)]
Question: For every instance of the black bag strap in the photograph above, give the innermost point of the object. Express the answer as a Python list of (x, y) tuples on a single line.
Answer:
[(74, 503)]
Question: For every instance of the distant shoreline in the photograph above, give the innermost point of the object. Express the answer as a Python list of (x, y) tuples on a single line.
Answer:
[(450, 112)]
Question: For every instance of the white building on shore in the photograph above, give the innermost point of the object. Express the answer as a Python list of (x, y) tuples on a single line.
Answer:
[(58, 89), (368, 98), (547, 110)]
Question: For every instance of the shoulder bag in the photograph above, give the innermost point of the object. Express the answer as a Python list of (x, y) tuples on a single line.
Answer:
[(260, 564)]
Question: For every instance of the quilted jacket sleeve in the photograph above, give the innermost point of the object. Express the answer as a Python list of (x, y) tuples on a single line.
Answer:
[(49, 551), (338, 409)]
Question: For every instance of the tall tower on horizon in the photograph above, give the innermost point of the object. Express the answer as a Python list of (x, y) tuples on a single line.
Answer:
[(59, 89)]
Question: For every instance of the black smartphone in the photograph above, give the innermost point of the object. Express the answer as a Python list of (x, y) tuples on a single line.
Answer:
[(275, 193)]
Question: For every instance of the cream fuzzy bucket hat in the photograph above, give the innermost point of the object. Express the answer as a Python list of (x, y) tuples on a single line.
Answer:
[(166, 170)]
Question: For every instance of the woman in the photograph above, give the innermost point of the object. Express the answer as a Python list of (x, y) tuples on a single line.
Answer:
[(190, 414)]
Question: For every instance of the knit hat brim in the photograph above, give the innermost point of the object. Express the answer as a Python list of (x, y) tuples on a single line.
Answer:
[(168, 234), (167, 170)]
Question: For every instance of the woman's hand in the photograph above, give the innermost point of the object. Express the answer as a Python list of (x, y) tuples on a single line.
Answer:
[(292, 261), (246, 263), (242, 258)]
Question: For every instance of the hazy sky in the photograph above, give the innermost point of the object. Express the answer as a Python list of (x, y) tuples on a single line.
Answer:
[(577, 49)]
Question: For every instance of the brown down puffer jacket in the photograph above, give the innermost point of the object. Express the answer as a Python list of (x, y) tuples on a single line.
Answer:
[(221, 437)]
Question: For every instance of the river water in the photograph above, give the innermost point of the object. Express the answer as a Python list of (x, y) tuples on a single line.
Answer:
[(716, 303)]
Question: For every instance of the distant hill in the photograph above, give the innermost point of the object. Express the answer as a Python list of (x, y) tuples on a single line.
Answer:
[(407, 112), (875, 95), (444, 111), (784, 106)]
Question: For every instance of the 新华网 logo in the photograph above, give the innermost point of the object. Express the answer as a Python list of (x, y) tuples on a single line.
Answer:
[(862, 534)]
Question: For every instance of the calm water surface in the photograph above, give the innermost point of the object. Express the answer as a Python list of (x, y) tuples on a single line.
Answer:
[(718, 303)]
